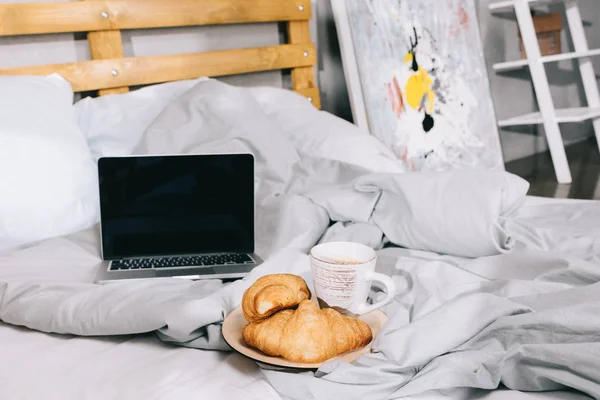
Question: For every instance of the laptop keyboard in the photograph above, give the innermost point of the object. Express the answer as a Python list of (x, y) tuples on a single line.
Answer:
[(178, 262)]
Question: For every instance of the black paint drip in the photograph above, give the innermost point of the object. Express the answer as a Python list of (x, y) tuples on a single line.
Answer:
[(428, 123), (413, 48), (415, 65)]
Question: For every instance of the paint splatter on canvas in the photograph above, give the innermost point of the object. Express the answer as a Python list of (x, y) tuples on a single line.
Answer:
[(425, 83)]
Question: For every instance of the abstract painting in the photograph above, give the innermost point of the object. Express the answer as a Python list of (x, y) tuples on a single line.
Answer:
[(424, 81)]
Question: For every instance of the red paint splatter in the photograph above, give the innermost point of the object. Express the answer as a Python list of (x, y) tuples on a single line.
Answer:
[(463, 20), (402, 153), (399, 94), (463, 16), (395, 96), (391, 97)]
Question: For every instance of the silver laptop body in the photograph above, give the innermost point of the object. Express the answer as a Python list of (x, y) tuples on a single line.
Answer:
[(179, 216)]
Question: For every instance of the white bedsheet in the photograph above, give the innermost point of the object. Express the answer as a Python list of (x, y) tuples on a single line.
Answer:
[(36, 365), (47, 366)]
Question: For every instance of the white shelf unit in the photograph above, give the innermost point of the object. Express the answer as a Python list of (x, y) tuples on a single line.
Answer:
[(549, 116), (563, 116), (518, 64), (507, 5)]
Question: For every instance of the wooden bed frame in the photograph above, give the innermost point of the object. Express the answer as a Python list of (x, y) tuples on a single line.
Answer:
[(110, 72)]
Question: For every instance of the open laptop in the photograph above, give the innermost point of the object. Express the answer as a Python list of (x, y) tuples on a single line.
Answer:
[(185, 216)]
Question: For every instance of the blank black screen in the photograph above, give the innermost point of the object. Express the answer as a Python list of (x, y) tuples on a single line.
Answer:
[(176, 205)]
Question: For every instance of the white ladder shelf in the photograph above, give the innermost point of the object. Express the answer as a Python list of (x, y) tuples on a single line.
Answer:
[(548, 115)]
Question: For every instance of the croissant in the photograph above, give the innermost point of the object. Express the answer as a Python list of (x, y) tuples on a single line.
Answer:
[(307, 334), (272, 293)]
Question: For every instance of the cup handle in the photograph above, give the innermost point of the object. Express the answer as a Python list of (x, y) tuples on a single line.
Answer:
[(390, 288)]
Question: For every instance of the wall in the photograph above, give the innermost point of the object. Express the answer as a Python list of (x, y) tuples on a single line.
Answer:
[(334, 96), (512, 93)]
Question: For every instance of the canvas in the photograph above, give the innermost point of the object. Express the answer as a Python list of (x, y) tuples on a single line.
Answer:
[(423, 81)]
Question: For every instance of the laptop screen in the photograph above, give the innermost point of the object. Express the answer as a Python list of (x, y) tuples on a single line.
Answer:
[(176, 205)]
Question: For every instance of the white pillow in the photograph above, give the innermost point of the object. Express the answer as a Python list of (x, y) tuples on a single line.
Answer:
[(114, 124), (48, 179)]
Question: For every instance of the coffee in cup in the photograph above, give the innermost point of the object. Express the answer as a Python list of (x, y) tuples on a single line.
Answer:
[(342, 273)]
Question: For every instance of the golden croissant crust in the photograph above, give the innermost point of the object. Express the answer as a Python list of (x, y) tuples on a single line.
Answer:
[(307, 334), (272, 293)]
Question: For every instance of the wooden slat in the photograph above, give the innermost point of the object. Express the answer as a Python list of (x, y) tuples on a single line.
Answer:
[(106, 45), (299, 33), (88, 16), (302, 77), (105, 74), (311, 95)]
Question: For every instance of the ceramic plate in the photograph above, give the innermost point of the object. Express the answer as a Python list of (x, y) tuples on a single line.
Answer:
[(235, 322)]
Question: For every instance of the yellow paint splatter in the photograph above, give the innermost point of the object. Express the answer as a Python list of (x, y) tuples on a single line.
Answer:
[(419, 86)]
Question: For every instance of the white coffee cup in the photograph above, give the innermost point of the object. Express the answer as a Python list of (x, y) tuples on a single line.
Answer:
[(342, 273)]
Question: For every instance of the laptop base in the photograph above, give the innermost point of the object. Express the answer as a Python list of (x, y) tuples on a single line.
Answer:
[(230, 271)]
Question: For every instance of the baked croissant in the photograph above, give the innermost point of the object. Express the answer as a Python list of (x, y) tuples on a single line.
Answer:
[(272, 293), (307, 334)]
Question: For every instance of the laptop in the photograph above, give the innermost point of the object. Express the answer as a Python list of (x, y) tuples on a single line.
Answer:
[(180, 216)]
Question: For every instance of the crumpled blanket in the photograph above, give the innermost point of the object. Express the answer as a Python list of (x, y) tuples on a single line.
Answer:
[(485, 300)]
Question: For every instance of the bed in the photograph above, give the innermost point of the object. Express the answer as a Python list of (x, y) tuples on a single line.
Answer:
[(63, 337)]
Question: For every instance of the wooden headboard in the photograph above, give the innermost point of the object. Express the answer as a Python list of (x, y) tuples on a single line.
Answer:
[(110, 72)]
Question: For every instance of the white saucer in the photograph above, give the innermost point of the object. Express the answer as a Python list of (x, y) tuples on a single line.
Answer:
[(235, 322)]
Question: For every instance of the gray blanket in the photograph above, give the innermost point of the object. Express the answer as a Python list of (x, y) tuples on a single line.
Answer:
[(487, 293)]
